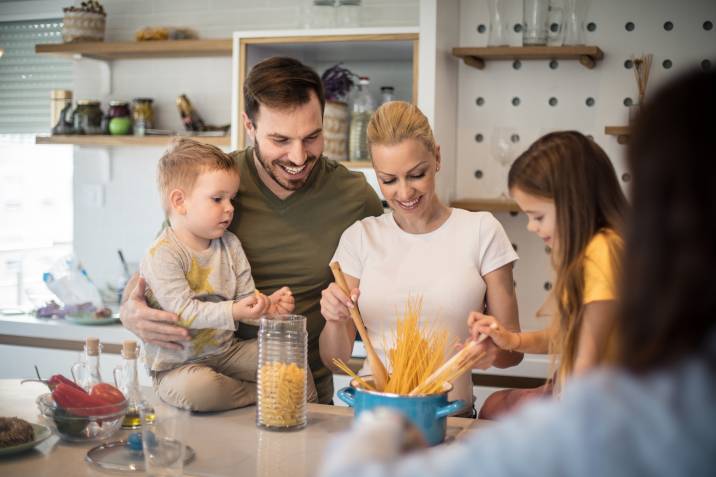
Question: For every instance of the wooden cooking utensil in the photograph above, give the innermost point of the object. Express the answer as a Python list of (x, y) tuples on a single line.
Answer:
[(380, 375)]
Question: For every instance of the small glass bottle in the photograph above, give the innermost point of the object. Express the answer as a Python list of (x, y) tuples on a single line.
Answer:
[(363, 107), (143, 115), (387, 94), (282, 373), (127, 380), (86, 371)]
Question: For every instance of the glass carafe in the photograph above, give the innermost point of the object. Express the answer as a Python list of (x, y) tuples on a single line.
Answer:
[(363, 107), (86, 371), (127, 380)]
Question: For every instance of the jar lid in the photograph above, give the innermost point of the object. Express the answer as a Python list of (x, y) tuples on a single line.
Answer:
[(88, 102), (143, 100), (61, 94), (119, 103)]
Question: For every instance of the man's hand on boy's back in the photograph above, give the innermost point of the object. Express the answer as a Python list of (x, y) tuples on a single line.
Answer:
[(152, 326)]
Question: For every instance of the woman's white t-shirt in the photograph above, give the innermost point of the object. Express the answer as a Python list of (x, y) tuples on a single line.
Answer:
[(443, 267)]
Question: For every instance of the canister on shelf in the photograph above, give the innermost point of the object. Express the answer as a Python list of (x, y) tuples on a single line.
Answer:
[(120, 121), (59, 99), (282, 373), (143, 115), (88, 117)]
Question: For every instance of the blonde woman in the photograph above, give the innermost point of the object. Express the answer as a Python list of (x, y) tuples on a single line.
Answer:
[(457, 261)]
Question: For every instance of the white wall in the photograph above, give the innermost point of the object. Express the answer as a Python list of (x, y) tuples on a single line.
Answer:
[(130, 216), (686, 45)]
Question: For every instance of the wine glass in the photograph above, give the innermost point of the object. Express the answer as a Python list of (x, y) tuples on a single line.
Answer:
[(503, 145)]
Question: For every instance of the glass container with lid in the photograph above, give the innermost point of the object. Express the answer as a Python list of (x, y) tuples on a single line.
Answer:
[(282, 373), (87, 117)]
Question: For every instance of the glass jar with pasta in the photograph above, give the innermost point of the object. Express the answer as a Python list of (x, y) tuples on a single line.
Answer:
[(282, 372)]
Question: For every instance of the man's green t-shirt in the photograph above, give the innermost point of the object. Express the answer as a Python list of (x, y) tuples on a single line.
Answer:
[(290, 242)]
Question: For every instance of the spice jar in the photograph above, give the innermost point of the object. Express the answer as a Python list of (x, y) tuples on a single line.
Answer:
[(59, 100), (87, 117), (282, 373), (143, 115), (120, 122)]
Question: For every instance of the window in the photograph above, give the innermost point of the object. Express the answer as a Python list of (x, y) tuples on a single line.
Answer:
[(35, 181)]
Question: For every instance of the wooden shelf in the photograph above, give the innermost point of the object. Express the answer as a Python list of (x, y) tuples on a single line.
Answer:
[(488, 205), (139, 49), (358, 164), (476, 57), (621, 132), (106, 140)]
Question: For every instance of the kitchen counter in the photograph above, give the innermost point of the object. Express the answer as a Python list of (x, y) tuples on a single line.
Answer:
[(26, 329), (227, 443)]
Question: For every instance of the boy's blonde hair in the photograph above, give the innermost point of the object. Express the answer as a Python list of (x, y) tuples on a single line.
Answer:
[(181, 165), (396, 121)]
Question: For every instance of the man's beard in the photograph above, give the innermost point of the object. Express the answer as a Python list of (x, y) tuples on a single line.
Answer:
[(290, 185)]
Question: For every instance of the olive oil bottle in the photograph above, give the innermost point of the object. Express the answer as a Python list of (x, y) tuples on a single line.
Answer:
[(126, 379)]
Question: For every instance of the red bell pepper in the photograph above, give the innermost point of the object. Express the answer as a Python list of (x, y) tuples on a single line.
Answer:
[(56, 379), (78, 401), (107, 393)]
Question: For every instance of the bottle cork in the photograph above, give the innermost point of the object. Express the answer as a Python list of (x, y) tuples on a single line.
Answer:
[(92, 346), (129, 349)]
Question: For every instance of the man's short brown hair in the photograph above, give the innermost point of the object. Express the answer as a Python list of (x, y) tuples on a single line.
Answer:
[(280, 82), (182, 164)]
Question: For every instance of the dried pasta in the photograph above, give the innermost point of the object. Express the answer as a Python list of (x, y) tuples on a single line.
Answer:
[(281, 394), (415, 354)]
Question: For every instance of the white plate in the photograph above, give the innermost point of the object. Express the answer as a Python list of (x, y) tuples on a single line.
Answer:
[(41, 433), (88, 321)]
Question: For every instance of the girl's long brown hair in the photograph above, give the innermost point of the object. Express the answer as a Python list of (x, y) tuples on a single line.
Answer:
[(574, 172)]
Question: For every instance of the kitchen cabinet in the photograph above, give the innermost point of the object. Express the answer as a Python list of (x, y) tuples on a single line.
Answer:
[(388, 56)]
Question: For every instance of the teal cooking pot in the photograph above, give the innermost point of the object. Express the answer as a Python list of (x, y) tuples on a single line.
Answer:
[(428, 413)]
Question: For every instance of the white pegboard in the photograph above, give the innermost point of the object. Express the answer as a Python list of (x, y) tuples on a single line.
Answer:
[(686, 45)]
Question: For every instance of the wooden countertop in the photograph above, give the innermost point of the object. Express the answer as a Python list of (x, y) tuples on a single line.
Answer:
[(227, 443)]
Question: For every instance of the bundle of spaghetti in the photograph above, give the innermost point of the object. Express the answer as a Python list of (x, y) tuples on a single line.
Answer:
[(281, 394), (344, 367), (460, 363), (417, 351)]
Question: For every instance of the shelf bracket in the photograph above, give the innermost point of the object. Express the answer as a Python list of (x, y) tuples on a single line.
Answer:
[(105, 73), (474, 61)]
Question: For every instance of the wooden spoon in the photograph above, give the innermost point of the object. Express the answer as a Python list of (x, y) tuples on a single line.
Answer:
[(380, 375)]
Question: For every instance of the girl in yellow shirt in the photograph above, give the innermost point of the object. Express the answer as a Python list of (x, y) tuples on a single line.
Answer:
[(568, 188)]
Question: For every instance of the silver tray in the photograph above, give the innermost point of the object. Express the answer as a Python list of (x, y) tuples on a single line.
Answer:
[(118, 456)]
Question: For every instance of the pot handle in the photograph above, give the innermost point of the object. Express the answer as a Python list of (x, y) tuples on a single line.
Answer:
[(347, 395), (450, 408)]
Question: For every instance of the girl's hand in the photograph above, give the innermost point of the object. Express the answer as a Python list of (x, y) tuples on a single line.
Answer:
[(488, 325), (250, 307), (281, 301), (483, 355), (335, 305)]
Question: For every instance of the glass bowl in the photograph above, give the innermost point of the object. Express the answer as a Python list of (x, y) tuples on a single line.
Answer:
[(82, 424)]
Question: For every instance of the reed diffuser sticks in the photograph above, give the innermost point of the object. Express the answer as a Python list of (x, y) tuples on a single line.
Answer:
[(642, 68)]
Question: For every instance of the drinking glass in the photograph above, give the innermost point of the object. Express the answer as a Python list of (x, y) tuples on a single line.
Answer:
[(503, 146), (163, 440), (498, 27), (574, 14), (536, 15), (555, 33)]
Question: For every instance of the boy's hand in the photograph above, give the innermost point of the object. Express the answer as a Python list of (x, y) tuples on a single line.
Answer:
[(488, 325), (250, 307), (281, 301)]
